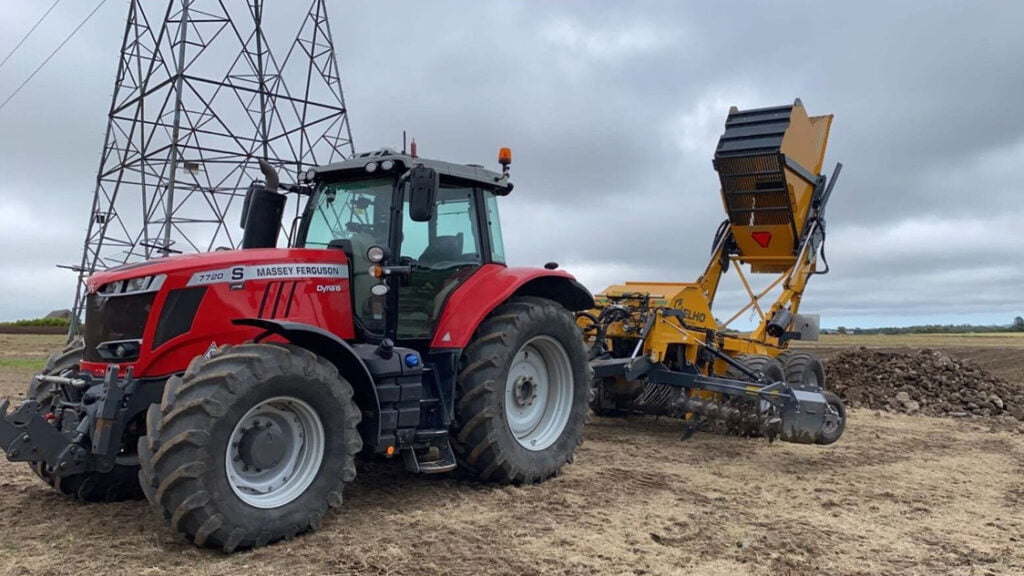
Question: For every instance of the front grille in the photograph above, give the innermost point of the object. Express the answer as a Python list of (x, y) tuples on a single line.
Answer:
[(179, 310), (114, 318)]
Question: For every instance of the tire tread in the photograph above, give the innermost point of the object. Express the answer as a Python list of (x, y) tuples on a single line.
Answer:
[(175, 479), (480, 392)]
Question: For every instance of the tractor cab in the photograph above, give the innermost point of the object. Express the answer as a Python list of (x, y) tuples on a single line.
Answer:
[(413, 230)]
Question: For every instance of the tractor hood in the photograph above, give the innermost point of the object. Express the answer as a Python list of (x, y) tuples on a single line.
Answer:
[(157, 316), (237, 265)]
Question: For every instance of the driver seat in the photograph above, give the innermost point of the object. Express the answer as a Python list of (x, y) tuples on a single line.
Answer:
[(443, 249)]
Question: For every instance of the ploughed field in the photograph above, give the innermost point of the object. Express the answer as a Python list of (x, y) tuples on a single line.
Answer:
[(902, 492)]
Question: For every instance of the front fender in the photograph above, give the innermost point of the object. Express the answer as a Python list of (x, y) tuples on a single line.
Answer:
[(343, 356), (492, 285)]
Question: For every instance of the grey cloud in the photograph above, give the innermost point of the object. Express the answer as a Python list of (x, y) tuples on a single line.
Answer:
[(613, 110)]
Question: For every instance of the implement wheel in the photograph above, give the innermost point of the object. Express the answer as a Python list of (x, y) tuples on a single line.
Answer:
[(835, 420), (120, 483), (250, 446), (766, 365), (523, 390), (804, 371)]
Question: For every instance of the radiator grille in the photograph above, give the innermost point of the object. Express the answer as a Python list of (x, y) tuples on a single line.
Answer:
[(111, 318)]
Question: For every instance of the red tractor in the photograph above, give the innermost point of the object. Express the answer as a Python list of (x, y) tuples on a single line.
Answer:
[(235, 388)]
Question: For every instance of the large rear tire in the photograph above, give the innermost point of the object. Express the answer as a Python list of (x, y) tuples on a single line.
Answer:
[(250, 446), (523, 390), (120, 483)]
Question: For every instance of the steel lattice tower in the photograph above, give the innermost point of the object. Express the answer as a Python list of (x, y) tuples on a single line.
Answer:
[(199, 95)]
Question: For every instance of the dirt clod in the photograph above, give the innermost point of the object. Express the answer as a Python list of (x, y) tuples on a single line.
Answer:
[(927, 381)]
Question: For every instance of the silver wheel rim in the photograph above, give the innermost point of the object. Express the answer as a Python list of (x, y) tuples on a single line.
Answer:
[(832, 416), (539, 393), (301, 434), (832, 420)]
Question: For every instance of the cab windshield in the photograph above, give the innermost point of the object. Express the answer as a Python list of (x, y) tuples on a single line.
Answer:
[(359, 213), (356, 211)]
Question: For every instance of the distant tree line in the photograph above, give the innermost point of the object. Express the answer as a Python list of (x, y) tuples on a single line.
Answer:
[(1016, 326), (39, 322)]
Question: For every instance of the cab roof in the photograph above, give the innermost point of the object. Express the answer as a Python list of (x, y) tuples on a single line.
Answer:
[(471, 173)]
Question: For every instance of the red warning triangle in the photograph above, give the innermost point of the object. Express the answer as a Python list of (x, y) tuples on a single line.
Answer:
[(763, 239)]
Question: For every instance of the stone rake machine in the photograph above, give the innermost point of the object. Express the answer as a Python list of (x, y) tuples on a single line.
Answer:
[(656, 347)]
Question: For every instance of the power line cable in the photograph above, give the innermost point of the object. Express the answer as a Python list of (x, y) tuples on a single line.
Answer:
[(52, 54), (29, 33)]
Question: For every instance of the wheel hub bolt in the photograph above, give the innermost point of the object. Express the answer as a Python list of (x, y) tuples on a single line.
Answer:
[(262, 448), (525, 391)]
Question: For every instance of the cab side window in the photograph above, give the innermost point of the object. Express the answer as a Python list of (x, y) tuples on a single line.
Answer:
[(451, 237)]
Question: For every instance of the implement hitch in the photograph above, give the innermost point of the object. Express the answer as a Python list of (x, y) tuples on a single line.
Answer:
[(78, 432)]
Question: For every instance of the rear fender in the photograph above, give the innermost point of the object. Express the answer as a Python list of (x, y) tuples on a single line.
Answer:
[(491, 286), (343, 356)]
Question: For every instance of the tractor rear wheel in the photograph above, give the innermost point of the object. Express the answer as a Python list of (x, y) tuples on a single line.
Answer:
[(523, 390), (120, 483), (250, 446)]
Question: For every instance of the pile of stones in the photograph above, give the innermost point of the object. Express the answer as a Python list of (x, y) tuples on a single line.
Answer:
[(924, 381)]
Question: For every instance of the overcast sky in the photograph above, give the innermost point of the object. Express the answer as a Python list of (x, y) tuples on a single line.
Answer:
[(613, 110)]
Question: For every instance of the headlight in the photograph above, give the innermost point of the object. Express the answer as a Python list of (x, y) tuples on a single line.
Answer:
[(119, 350), (376, 254), (310, 175), (137, 284), (387, 164), (133, 285), (371, 167)]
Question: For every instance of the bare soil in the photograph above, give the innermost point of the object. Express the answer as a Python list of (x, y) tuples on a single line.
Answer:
[(898, 494)]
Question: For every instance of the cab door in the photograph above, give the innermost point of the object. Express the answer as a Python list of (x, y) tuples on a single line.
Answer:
[(442, 253)]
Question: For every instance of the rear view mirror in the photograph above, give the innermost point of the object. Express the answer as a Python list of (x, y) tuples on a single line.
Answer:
[(423, 184)]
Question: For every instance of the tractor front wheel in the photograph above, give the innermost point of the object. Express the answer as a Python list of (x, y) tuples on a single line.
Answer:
[(250, 446), (523, 391)]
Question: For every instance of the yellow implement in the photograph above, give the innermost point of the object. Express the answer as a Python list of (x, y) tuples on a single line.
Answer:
[(657, 348)]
